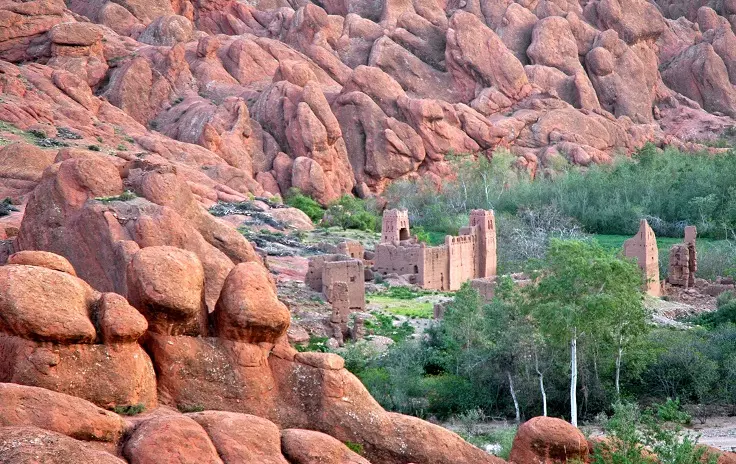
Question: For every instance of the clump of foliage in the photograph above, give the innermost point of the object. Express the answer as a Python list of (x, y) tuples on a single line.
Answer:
[(634, 437), (352, 213), (665, 187), (354, 447), (405, 293), (129, 409), (724, 314), (125, 196), (384, 326), (315, 344), (671, 411), (6, 207), (307, 205), (185, 408)]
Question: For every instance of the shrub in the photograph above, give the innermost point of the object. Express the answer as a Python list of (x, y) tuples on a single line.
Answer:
[(671, 411), (632, 437), (311, 208), (315, 344), (125, 196), (190, 408), (6, 207), (129, 410), (384, 326), (354, 447), (352, 213)]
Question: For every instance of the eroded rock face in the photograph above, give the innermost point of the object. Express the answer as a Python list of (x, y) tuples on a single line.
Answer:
[(120, 288), (56, 332), (219, 88)]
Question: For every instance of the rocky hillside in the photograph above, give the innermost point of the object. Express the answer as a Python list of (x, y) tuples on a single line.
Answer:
[(343, 96), (137, 327)]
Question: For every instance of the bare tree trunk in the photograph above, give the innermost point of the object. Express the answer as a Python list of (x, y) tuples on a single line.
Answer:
[(574, 379), (513, 395), (541, 385), (618, 366)]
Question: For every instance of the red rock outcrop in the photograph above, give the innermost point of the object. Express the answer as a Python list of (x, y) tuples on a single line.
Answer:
[(548, 440)]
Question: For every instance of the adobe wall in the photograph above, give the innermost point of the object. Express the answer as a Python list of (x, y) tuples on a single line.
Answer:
[(683, 261), (323, 271), (351, 272), (643, 247), (485, 286), (351, 248), (433, 270), (461, 259), (397, 259)]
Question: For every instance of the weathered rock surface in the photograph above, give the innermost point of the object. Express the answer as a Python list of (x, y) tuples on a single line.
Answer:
[(122, 121), (548, 440)]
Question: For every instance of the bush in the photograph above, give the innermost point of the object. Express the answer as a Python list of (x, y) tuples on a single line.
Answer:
[(671, 411), (354, 447), (632, 437), (665, 187), (725, 314), (129, 410), (311, 208), (352, 213)]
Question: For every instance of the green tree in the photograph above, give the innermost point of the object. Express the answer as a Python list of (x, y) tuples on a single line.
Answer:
[(582, 290)]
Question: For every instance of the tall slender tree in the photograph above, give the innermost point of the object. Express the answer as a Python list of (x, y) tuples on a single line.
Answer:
[(579, 290)]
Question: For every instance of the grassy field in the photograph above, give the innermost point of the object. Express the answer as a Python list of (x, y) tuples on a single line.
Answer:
[(419, 307), (617, 241), (663, 243)]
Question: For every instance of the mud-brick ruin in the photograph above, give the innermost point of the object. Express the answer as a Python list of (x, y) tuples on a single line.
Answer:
[(470, 255), (683, 261), (643, 247), (327, 270)]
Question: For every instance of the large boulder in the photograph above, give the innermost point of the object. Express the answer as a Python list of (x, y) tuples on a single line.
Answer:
[(309, 447), (242, 438), (31, 445), (74, 417), (170, 439), (548, 440), (248, 309), (166, 284)]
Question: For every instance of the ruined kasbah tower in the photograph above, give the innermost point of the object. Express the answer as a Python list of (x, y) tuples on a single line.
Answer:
[(470, 255), (643, 247)]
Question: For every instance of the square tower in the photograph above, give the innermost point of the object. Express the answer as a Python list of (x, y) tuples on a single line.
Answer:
[(395, 227), (484, 223)]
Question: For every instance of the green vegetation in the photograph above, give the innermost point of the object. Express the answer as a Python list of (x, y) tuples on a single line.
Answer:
[(125, 196), (401, 306), (308, 206), (190, 408), (315, 344), (352, 213), (724, 314), (665, 187), (632, 437), (6, 207), (129, 410), (354, 447), (384, 326)]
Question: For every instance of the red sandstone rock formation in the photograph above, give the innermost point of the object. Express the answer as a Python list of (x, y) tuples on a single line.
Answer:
[(115, 299), (257, 98), (548, 440), (68, 337)]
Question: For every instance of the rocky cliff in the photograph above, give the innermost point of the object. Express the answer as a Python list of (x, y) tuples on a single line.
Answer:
[(345, 95)]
